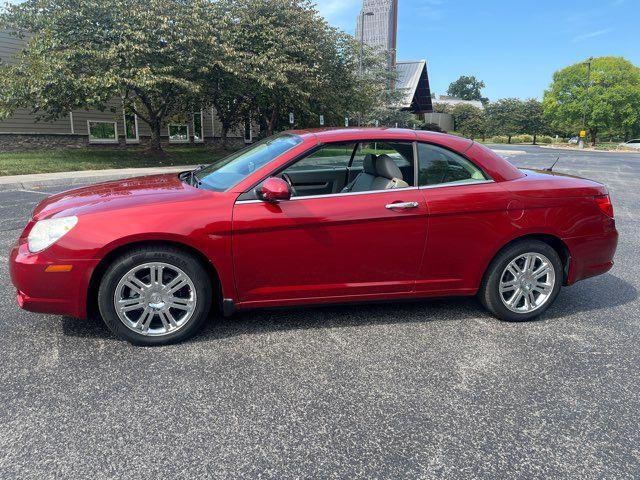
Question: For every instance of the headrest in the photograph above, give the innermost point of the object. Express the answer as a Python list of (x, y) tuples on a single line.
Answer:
[(387, 168), (369, 164)]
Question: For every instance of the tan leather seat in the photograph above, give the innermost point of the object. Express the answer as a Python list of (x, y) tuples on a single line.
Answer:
[(379, 173)]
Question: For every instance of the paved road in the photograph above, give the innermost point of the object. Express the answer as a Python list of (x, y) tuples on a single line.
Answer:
[(434, 389)]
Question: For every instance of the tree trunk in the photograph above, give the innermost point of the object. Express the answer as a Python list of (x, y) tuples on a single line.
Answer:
[(225, 136), (535, 136), (509, 141), (155, 145), (593, 132), (272, 121)]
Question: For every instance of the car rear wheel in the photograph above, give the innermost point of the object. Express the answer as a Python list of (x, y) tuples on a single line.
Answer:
[(155, 296), (522, 281)]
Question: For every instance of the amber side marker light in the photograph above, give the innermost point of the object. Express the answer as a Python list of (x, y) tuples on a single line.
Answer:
[(58, 268)]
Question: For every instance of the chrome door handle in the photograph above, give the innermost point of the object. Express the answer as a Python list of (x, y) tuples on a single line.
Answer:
[(402, 206)]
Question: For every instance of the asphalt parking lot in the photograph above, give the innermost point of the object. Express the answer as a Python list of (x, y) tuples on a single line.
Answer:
[(433, 389)]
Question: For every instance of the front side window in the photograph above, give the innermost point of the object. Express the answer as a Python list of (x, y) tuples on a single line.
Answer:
[(401, 152), (439, 166), (231, 170), (354, 167), (178, 133), (102, 132), (328, 157)]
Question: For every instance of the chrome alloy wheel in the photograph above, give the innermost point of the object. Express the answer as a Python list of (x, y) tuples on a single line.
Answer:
[(527, 283), (155, 299)]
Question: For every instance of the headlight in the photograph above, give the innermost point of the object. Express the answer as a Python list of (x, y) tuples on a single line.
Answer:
[(46, 232)]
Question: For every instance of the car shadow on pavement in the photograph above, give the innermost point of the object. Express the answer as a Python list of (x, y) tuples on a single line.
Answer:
[(92, 328), (597, 293), (607, 291), (603, 292), (339, 316)]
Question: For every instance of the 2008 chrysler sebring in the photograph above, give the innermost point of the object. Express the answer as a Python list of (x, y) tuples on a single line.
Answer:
[(311, 217)]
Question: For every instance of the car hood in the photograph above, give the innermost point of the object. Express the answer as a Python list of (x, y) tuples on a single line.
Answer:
[(117, 194)]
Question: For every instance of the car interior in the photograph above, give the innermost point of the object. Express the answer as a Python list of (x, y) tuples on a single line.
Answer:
[(352, 167)]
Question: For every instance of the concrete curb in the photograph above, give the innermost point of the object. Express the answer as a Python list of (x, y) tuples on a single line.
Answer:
[(588, 149), (85, 177), (509, 152)]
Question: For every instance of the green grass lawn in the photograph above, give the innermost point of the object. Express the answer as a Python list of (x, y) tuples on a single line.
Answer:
[(18, 163)]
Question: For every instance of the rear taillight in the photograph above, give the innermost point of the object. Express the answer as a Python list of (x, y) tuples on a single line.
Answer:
[(604, 203)]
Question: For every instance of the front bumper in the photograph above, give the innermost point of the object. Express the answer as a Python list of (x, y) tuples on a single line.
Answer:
[(60, 293)]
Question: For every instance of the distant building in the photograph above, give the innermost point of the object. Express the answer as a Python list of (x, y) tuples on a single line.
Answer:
[(453, 101), (377, 25), (413, 81), (445, 120), (111, 127)]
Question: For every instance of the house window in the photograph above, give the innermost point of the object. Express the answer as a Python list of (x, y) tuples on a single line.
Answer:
[(179, 133), (198, 127), (248, 131), (102, 132), (131, 128)]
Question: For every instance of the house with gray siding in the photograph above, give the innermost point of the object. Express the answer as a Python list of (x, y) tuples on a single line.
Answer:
[(111, 127)]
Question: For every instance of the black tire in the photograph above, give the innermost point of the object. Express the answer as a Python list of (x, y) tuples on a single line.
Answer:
[(165, 255), (489, 292)]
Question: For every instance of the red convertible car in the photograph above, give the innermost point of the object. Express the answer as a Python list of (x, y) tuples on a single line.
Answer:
[(311, 217)]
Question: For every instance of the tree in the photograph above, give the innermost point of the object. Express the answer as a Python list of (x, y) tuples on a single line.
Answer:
[(505, 117), (608, 98), (532, 118), (81, 54), (467, 88), (258, 59), (290, 60), (469, 120)]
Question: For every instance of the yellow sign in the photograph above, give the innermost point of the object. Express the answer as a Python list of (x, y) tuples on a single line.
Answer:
[(583, 134)]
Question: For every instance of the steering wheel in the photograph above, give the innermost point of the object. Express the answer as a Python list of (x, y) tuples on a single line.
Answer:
[(287, 178)]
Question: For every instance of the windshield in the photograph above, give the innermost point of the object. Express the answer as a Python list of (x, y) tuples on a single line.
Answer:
[(231, 170)]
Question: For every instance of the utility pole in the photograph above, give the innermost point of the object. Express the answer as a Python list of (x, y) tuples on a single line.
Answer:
[(586, 104), (362, 15)]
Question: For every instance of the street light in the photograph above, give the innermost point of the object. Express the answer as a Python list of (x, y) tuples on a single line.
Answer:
[(362, 15), (586, 104)]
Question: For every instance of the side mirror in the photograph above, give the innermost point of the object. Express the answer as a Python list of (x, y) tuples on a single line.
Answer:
[(273, 189)]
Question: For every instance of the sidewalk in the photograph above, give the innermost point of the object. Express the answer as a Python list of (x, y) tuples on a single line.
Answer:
[(43, 180)]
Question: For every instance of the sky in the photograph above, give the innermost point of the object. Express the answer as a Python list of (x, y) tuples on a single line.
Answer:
[(513, 46)]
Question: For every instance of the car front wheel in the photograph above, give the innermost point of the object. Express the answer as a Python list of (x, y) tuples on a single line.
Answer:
[(155, 296), (522, 281)]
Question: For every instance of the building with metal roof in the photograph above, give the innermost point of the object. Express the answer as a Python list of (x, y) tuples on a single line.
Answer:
[(413, 81), (377, 26)]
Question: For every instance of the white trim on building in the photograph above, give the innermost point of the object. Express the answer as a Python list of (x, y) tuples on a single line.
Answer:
[(102, 140)]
